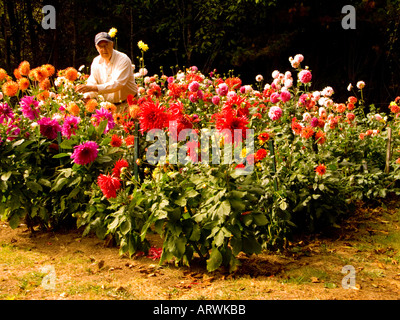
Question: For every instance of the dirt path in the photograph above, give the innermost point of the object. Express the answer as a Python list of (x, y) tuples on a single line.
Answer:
[(66, 266)]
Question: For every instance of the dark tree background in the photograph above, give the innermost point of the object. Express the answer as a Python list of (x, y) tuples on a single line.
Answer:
[(249, 37)]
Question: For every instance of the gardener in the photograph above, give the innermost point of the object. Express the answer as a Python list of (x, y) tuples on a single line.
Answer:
[(111, 74)]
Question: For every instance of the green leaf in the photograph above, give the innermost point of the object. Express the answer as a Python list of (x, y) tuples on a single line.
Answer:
[(6, 176), (45, 182), (15, 219), (215, 260), (125, 227), (17, 143), (237, 205), (224, 209), (59, 184), (67, 144), (113, 225), (219, 238), (251, 245), (260, 219), (196, 232), (104, 159), (102, 126), (236, 244), (34, 186), (181, 201), (191, 193), (180, 245), (62, 155)]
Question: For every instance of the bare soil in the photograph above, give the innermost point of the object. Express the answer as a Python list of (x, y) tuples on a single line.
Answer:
[(85, 268)]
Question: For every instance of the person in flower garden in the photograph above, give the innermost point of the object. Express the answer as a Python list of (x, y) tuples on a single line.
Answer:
[(111, 74)]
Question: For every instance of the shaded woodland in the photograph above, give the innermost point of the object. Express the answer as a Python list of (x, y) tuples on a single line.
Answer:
[(249, 37)]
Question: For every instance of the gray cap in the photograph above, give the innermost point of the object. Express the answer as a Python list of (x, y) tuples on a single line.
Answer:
[(102, 36)]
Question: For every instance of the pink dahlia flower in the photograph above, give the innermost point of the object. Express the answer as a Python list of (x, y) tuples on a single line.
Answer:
[(222, 89), (70, 126), (285, 96), (104, 114), (194, 86), (216, 100), (85, 153), (275, 97), (49, 127), (275, 113), (305, 76), (29, 107), (6, 113)]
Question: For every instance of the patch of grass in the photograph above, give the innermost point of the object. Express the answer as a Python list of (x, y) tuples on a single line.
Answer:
[(11, 255), (30, 280), (305, 275), (374, 274)]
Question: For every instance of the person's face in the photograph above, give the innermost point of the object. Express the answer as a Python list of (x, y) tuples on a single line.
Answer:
[(104, 48)]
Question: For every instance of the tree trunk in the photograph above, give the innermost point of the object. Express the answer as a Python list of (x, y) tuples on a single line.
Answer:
[(74, 33), (32, 34), (15, 30), (131, 38)]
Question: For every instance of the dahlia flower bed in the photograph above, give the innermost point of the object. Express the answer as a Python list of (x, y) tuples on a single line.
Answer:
[(174, 164)]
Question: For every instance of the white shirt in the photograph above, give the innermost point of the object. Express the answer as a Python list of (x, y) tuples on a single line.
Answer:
[(114, 80)]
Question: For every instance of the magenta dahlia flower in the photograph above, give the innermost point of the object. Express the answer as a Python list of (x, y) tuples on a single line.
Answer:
[(103, 114), (85, 153), (49, 127), (6, 113), (70, 126), (29, 107)]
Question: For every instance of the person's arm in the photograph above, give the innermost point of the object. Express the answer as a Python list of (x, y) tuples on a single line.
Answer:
[(120, 77), (90, 89)]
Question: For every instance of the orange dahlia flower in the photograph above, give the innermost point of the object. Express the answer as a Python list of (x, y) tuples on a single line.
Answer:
[(110, 107), (307, 132), (71, 74), (45, 84), (49, 69), (17, 74), (118, 118), (23, 84), (44, 95), (3, 74), (134, 111), (320, 137), (73, 108), (10, 88), (24, 68), (91, 105), (38, 74)]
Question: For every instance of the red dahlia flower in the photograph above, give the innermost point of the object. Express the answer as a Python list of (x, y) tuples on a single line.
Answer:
[(116, 141), (260, 154), (226, 119), (152, 116), (109, 185), (122, 163), (320, 169)]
